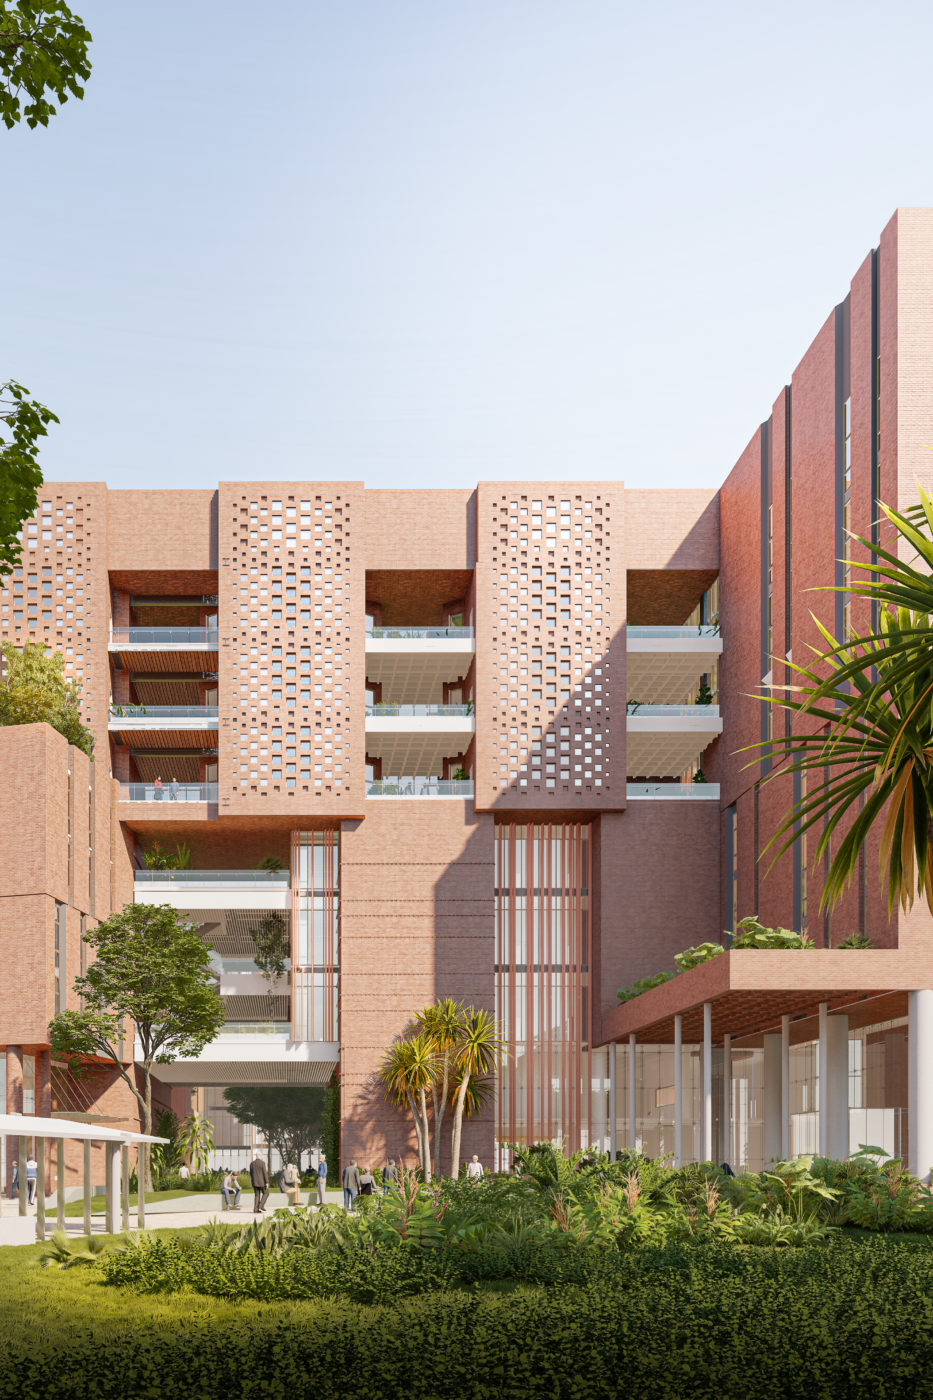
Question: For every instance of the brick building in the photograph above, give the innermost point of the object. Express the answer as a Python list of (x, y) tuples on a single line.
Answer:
[(471, 727)]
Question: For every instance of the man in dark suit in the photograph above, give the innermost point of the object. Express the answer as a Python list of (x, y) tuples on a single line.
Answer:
[(260, 1179)]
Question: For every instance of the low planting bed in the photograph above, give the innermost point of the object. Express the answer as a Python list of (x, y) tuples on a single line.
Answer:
[(574, 1279)]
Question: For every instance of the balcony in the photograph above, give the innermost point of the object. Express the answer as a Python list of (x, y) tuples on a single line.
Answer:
[(169, 792), (165, 649), (664, 664), (256, 1052), (420, 787), (200, 890), (414, 738), (663, 740), (672, 792), (412, 663), (142, 718), (198, 638)]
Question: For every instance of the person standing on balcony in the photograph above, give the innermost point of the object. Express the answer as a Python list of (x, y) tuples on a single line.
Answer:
[(157, 789), (260, 1179), (173, 790)]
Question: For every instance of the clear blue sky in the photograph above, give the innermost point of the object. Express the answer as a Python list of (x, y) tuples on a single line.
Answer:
[(423, 243)]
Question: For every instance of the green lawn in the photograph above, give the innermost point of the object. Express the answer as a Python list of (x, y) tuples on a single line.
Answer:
[(59, 1303), (99, 1203)]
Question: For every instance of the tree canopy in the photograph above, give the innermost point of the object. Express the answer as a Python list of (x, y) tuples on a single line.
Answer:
[(33, 690), (290, 1119), (43, 56), (152, 969), (23, 422)]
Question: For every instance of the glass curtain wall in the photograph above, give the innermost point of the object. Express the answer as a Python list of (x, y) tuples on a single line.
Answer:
[(543, 990), (315, 934)]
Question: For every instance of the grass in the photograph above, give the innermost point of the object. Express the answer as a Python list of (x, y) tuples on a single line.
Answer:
[(99, 1203), (75, 1303)]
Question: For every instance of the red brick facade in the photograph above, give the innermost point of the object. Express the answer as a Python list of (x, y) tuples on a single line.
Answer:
[(549, 576)]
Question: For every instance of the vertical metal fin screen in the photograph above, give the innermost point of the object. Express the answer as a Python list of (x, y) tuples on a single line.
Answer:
[(543, 989), (315, 934)]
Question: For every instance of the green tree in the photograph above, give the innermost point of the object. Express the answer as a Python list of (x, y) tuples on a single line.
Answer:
[(443, 1023), (196, 1140), (33, 690), (43, 55), (864, 732), (273, 949), (151, 969), (290, 1119), (479, 1052), (23, 421), (409, 1070)]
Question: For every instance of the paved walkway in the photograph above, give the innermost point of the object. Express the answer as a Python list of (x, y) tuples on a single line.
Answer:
[(183, 1212)]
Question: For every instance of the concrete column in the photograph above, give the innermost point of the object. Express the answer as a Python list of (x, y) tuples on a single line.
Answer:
[(920, 1082), (124, 1188), (823, 1138), (678, 1092), (835, 1102), (14, 1104), (612, 1102), (706, 1134), (725, 1122), (785, 1088), (40, 1188), (771, 1100), (44, 1084), (111, 1178), (632, 1094), (60, 1183), (87, 1186)]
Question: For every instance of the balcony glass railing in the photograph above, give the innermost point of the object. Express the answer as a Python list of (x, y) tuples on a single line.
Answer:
[(259, 879), (672, 633), (391, 711), (169, 792), (673, 792), (457, 634), (256, 1028), (163, 712), (637, 711), (165, 636), (419, 787)]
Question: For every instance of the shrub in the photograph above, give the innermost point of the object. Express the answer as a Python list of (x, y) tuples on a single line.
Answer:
[(690, 1321), (751, 934), (644, 984), (701, 953)]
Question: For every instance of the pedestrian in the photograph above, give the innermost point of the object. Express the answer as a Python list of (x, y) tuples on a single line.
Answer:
[(230, 1186), (183, 1171), (724, 1167), (14, 1189), (173, 790), (157, 789), (475, 1169), (389, 1176), (321, 1179), (291, 1184), (260, 1179), (367, 1183), (32, 1180), (351, 1185)]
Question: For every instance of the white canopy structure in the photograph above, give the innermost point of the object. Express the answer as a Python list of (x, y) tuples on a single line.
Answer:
[(117, 1142)]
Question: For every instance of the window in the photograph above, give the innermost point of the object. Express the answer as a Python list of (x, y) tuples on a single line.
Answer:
[(61, 969)]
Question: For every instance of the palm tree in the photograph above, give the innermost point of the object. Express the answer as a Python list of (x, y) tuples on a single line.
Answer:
[(443, 1024), (409, 1069), (478, 1053), (872, 699)]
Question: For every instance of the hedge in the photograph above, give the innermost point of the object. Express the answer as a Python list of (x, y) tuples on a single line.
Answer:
[(686, 1322)]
